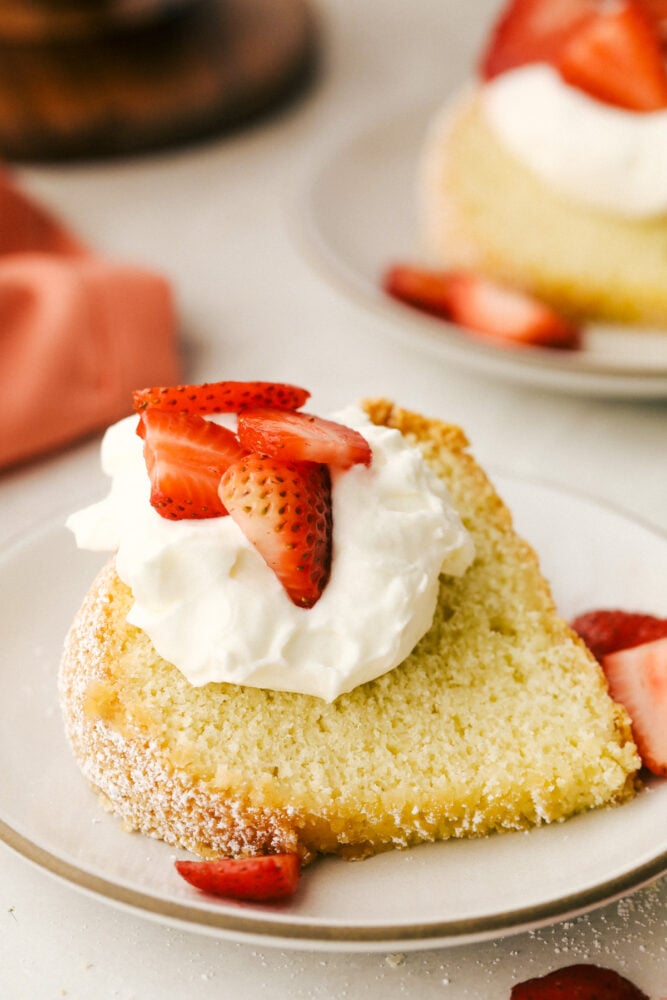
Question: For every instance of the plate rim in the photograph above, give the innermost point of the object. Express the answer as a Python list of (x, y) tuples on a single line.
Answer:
[(329, 937), (539, 367), (247, 924)]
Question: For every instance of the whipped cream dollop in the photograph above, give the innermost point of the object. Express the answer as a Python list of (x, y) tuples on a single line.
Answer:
[(213, 608), (601, 156)]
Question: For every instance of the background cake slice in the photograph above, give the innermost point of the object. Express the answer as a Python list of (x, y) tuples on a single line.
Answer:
[(480, 207)]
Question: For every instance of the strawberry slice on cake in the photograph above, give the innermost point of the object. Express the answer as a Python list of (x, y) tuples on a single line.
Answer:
[(185, 457), (220, 397), (302, 437), (612, 51), (531, 31), (272, 475), (615, 56), (284, 509)]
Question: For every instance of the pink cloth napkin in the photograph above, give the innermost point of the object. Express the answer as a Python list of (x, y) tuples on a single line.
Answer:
[(77, 333)]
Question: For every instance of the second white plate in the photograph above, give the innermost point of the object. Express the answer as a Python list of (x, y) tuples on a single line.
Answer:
[(357, 216)]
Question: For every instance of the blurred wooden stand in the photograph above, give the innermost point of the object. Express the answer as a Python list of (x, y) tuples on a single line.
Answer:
[(84, 79)]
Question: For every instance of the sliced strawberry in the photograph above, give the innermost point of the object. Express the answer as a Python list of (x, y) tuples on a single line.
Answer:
[(185, 457), (615, 56), (480, 304), (578, 982), (605, 630), (220, 397), (637, 679), (301, 437), (531, 31), (267, 879), (284, 510), (421, 287), (657, 11), (506, 315)]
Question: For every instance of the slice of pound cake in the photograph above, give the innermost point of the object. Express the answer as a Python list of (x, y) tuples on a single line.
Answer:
[(482, 208), (497, 719), (549, 175)]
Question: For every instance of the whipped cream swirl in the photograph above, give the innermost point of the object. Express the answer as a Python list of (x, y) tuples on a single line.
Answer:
[(213, 608), (601, 156)]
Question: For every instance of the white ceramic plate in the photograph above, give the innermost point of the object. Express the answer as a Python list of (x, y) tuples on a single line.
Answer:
[(437, 894), (356, 216)]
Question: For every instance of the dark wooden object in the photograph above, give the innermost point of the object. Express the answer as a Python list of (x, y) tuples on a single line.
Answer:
[(205, 67)]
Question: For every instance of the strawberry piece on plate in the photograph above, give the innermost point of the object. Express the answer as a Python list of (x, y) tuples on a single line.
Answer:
[(492, 310), (657, 11), (185, 457), (301, 437), (531, 31), (220, 397), (606, 630), (615, 56), (578, 982), (637, 678), (266, 879), (284, 510), (421, 287), (506, 315)]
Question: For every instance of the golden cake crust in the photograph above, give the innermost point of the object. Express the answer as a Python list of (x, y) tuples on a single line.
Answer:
[(499, 719)]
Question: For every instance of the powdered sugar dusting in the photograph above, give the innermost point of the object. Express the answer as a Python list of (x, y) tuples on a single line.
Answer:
[(132, 775)]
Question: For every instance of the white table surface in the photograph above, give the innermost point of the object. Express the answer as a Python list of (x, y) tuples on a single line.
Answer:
[(218, 220)]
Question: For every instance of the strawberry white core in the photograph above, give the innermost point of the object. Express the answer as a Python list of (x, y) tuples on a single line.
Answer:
[(600, 156), (213, 608)]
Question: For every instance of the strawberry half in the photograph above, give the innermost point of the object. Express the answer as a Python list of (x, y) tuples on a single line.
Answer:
[(578, 982), (284, 510), (492, 310), (220, 397), (420, 287), (615, 56), (267, 879), (185, 457), (505, 315), (637, 679), (531, 31), (605, 631), (657, 11), (301, 437)]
